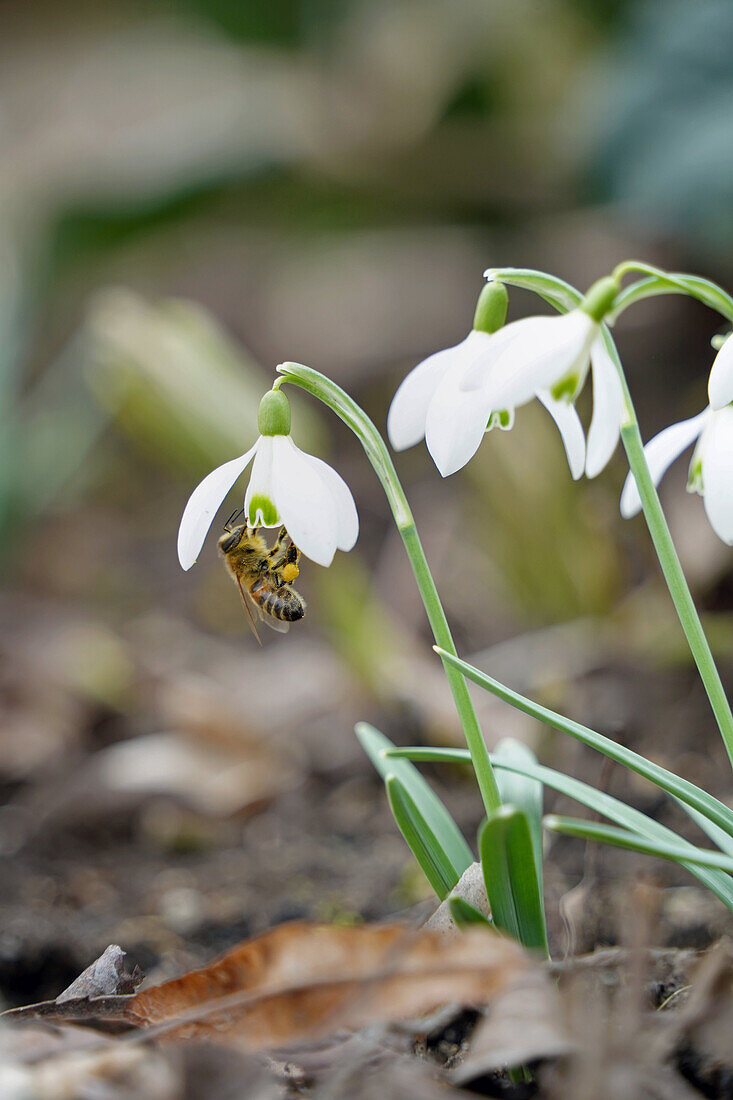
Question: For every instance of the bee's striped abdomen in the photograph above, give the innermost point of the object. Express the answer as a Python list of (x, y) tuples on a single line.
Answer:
[(282, 603)]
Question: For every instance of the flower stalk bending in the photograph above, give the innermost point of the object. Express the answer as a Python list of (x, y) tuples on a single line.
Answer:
[(564, 298), (355, 418)]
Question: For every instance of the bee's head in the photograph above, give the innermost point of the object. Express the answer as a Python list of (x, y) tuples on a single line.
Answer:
[(232, 536)]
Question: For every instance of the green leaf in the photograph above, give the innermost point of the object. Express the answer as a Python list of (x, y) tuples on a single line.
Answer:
[(526, 794), (716, 834), (464, 913), (510, 875), (420, 838), (622, 838), (438, 821), (675, 785), (721, 884)]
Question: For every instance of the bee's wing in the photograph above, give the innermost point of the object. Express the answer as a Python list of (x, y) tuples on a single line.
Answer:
[(275, 624), (268, 620), (245, 604)]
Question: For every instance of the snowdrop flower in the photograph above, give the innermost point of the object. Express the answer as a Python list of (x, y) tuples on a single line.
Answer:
[(455, 396), (711, 466), (287, 488), (430, 402), (544, 353)]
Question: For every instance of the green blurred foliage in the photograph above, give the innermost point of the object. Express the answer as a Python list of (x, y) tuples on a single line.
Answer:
[(212, 162)]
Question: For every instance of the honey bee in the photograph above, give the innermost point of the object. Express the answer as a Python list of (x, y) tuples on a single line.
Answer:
[(264, 576)]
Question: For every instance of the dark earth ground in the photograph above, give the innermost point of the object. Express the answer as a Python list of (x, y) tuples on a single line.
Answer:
[(179, 874)]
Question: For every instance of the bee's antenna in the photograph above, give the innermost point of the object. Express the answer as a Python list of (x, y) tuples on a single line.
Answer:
[(235, 515)]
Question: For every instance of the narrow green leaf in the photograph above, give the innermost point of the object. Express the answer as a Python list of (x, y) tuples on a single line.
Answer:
[(464, 913), (680, 788), (622, 838), (510, 875), (716, 834), (421, 840), (425, 754), (522, 792), (438, 820), (612, 808)]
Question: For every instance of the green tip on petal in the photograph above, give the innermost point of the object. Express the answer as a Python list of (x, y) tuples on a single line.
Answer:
[(600, 298), (273, 417), (694, 476), (491, 308), (262, 512), (566, 389)]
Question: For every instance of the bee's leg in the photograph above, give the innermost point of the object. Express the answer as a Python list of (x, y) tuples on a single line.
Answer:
[(283, 559), (278, 555)]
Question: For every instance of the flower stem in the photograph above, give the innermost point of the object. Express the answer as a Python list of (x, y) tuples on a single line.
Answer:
[(376, 451), (670, 563), (563, 296)]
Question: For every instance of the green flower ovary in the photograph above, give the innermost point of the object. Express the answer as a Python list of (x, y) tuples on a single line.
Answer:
[(266, 509)]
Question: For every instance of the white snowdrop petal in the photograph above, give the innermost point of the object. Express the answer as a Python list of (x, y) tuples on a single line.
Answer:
[(259, 500), (347, 519), (661, 451), (538, 352), (608, 410), (720, 383), (717, 472), (456, 425), (457, 419), (304, 502), (204, 503), (571, 430), (406, 417)]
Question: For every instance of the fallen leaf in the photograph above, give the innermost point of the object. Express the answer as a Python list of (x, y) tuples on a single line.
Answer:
[(303, 981), (107, 974), (471, 888), (213, 780), (524, 1024), (307, 980)]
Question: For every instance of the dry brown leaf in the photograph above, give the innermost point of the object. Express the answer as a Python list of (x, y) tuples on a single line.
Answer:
[(303, 981), (109, 974), (523, 1025), (471, 888)]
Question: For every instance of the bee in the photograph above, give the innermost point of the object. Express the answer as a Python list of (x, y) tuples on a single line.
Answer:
[(263, 575)]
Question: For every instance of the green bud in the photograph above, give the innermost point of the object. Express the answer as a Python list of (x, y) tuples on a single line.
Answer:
[(273, 417), (493, 302), (600, 299)]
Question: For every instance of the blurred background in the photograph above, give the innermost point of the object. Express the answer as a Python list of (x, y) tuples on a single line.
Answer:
[(193, 191)]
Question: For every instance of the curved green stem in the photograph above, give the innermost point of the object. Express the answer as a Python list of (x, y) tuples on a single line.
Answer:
[(563, 297), (657, 282), (376, 451), (677, 584)]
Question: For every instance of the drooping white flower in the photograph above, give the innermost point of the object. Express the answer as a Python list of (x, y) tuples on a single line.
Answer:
[(455, 396), (287, 488), (711, 466), (545, 353)]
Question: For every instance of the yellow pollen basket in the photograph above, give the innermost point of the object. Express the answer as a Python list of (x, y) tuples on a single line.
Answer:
[(290, 572)]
